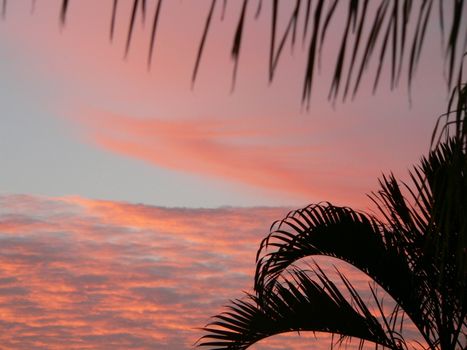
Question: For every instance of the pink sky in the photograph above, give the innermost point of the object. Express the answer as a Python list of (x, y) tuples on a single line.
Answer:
[(85, 133), (201, 147)]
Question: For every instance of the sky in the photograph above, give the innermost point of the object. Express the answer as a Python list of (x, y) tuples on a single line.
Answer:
[(132, 203), (62, 88)]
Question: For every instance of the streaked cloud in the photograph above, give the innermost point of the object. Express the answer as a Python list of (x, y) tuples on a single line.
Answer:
[(274, 156)]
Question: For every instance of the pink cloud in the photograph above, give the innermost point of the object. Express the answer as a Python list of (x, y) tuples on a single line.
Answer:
[(260, 153), (101, 275), (89, 274)]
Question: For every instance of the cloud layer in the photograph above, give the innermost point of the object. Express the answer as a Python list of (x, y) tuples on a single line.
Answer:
[(88, 274)]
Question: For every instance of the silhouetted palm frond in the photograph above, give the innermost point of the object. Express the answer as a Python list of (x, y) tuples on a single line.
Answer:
[(415, 249), (299, 304), (353, 237), (388, 34), (432, 232)]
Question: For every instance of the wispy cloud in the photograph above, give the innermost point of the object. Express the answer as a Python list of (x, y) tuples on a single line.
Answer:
[(276, 157)]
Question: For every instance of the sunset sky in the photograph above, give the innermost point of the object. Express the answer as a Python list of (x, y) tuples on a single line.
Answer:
[(131, 205)]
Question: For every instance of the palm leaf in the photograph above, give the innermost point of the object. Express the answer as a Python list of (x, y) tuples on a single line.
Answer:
[(203, 41), (235, 53), (397, 26), (132, 24), (423, 238), (416, 253), (4, 7), (301, 303), (153, 32), (112, 20), (353, 237), (63, 11)]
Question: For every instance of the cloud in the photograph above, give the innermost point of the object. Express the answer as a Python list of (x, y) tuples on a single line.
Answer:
[(80, 273), (77, 273), (274, 156)]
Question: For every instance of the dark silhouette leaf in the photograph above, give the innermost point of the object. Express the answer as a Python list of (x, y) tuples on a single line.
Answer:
[(112, 21), (132, 23), (153, 32), (63, 10), (203, 41), (299, 304), (235, 53)]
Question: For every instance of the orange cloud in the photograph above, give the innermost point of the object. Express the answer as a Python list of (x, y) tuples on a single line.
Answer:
[(98, 274), (87, 274), (255, 153)]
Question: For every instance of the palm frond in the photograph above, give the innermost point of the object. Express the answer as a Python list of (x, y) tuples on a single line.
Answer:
[(4, 7), (203, 41), (301, 303), (112, 20), (386, 35), (130, 28), (446, 240), (353, 237), (417, 253), (153, 32), (63, 11), (235, 53), (431, 228)]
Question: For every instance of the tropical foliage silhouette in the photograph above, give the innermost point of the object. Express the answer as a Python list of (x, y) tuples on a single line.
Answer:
[(415, 250), (373, 35)]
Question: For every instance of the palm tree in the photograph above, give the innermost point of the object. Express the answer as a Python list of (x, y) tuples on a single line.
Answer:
[(415, 250), (390, 32)]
